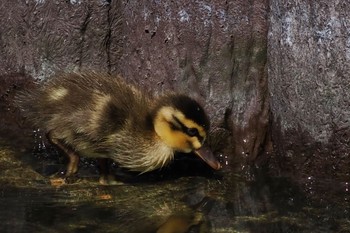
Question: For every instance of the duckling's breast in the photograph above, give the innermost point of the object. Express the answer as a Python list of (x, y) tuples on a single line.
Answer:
[(139, 153)]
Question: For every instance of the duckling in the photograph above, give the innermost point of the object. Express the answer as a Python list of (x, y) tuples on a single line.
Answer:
[(101, 116)]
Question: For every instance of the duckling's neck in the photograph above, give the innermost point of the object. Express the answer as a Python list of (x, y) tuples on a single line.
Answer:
[(157, 156)]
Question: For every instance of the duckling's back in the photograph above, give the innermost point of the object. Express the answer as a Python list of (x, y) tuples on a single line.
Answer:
[(83, 108)]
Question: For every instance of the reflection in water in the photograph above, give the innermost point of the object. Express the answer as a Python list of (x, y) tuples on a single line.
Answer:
[(188, 204), (95, 209), (179, 224)]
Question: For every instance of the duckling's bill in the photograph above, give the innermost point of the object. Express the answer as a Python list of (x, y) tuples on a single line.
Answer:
[(208, 156)]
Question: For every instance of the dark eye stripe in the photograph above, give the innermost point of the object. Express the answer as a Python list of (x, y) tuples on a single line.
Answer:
[(187, 130), (174, 126), (183, 127)]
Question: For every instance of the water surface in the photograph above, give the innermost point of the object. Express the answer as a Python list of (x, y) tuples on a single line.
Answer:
[(185, 197)]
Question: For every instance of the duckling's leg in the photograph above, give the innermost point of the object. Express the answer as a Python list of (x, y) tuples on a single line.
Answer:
[(102, 164), (106, 178), (73, 157), (72, 166)]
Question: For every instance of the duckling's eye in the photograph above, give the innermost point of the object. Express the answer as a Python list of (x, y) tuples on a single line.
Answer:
[(192, 132)]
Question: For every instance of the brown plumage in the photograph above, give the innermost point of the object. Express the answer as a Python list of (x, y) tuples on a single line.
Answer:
[(100, 116)]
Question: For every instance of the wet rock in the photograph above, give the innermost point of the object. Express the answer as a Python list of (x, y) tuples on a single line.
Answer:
[(14, 172), (309, 88)]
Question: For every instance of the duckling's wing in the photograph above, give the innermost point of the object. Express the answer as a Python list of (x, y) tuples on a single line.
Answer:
[(84, 108)]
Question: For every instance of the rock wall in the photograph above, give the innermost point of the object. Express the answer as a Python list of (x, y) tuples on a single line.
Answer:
[(212, 50), (309, 53), (40, 37)]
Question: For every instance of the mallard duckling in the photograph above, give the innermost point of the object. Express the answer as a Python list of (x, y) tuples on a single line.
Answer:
[(101, 116)]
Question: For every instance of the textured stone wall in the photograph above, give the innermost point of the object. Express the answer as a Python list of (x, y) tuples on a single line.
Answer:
[(309, 70), (212, 50), (39, 37)]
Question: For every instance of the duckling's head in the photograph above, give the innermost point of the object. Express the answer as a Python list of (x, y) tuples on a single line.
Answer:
[(182, 124)]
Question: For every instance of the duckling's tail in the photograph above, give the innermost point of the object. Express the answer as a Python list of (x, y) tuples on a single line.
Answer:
[(27, 103)]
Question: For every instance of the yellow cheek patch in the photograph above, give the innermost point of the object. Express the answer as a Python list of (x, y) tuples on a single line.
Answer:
[(174, 138), (58, 94), (195, 143)]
